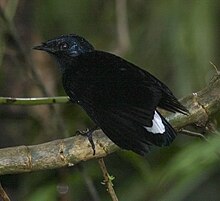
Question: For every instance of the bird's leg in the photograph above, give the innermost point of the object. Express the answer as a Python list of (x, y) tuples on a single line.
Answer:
[(88, 133)]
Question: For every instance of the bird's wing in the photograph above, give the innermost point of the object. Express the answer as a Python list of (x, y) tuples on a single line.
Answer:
[(122, 100), (127, 95), (112, 82), (131, 134), (134, 74), (168, 101)]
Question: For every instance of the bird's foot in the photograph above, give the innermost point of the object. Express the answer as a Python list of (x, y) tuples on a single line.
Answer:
[(88, 133)]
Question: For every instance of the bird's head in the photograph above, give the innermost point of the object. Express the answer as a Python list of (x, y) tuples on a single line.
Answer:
[(66, 45)]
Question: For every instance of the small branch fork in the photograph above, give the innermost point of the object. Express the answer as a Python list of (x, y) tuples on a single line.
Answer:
[(215, 67), (108, 180), (194, 134)]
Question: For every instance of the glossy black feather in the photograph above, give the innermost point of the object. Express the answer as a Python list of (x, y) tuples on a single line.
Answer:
[(120, 97)]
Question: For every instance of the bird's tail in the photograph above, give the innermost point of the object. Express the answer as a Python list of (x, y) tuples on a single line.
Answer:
[(130, 134), (170, 133)]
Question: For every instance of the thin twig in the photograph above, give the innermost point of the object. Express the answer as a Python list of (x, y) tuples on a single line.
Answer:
[(215, 67), (107, 180), (21, 49), (190, 133), (3, 194), (33, 101), (194, 134)]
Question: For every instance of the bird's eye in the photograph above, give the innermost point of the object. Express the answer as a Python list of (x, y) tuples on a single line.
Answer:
[(63, 46)]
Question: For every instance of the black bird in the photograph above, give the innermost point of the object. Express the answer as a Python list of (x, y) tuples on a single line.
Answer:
[(120, 97)]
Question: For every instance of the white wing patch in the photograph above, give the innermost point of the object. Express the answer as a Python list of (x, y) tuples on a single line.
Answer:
[(158, 126)]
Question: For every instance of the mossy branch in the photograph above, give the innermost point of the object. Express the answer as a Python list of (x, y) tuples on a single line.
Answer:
[(70, 151)]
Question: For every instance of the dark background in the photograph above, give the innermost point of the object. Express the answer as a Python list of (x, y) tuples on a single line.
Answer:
[(174, 40)]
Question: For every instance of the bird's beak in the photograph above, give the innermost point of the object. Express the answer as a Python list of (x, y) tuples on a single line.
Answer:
[(42, 47), (38, 47)]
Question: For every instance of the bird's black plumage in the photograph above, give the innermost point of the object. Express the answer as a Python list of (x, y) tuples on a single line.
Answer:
[(121, 98)]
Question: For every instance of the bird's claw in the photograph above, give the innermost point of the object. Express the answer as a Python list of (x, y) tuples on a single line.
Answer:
[(88, 133), (83, 133)]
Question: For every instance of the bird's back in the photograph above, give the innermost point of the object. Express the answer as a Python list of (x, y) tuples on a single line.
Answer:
[(122, 99)]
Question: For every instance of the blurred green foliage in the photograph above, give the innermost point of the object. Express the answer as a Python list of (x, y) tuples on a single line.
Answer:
[(175, 40)]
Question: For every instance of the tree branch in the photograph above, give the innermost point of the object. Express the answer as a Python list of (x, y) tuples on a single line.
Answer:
[(33, 101), (29, 68), (108, 180), (70, 151), (54, 154)]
